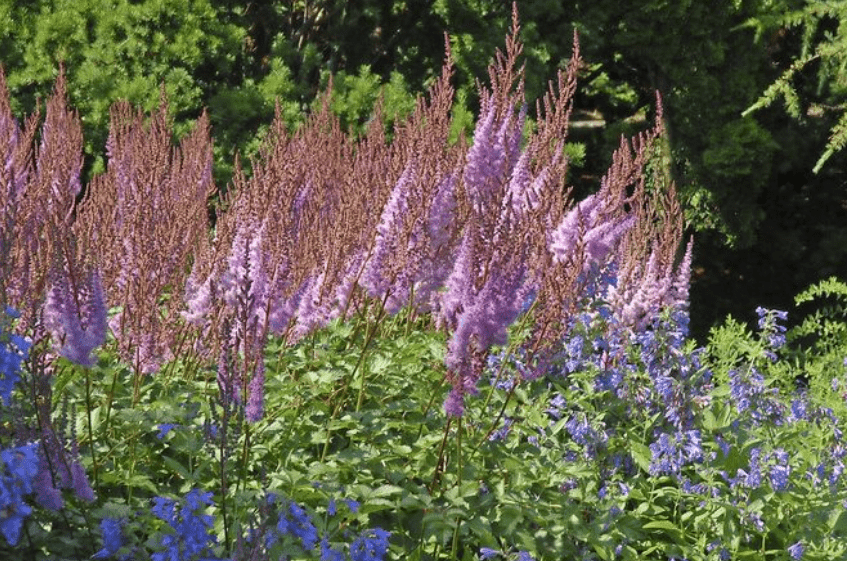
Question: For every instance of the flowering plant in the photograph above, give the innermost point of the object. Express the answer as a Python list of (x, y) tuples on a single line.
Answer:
[(413, 349)]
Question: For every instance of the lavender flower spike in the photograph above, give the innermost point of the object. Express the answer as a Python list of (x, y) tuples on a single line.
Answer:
[(76, 319)]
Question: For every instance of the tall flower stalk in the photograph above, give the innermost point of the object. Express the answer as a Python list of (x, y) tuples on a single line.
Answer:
[(144, 218)]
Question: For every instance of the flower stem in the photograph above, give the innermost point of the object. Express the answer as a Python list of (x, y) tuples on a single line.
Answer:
[(90, 429)]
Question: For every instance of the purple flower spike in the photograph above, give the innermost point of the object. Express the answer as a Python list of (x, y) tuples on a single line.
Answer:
[(454, 405), (76, 329)]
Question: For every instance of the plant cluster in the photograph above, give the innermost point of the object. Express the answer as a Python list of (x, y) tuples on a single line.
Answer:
[(409, 348)]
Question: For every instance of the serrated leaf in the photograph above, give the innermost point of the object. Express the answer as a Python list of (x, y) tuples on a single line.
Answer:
[(641, 455)]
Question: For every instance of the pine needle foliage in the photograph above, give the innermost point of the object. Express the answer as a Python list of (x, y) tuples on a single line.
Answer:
[(823, 26)]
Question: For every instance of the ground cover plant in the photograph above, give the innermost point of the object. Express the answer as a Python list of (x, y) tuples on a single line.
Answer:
[(414, 348)]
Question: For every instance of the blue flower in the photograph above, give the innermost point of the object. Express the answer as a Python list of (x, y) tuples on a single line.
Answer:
[(796, 551), (371, 545), (352, 505), (303, 527), (488, 553), (112, 538), (13, 351), (671, 453), (190, 536), (329, 554), (296, 522), (557, 405), (12, 517), (22, 465), (17, 478), (502, 432), (164, 429), (773, 332), (799, 410)]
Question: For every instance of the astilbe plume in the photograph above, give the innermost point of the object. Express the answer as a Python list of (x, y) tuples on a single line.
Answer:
[(67, 281), (619, 247), (16, 154), (42, 196), (272, 267), (411, 254), (597, 225), (145, 218), (310, 227), (75, 314), (231, 305), (408, 257), (505, 194), (649, 274)]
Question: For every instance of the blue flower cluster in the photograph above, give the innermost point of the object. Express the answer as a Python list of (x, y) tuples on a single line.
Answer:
[(13, 351), (112, 531), (294, 521), (19, 465), (488, 553), (190, 537), (189, 534), (772, 331)]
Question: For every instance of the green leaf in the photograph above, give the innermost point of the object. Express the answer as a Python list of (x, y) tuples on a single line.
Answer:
[(641, 455)]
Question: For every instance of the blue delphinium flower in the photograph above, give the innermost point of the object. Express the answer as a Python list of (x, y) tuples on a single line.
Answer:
[(13, 351), (330, 554), (796, 551), (371, 545), (190, 537), (164, 429), (488, 553), (19, 469), (112, 538)]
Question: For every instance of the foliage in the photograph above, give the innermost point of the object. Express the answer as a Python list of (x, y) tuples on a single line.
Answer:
[(408, 346), (820, 339), (124, 51), (568, 465), (823, 44)]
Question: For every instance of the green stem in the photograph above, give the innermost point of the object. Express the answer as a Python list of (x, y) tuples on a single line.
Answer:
[(224, 513), (454, 553), (439, 465), (459, 453), (111, 396), (90, 425), (410, 317), (435, 393), (369, 336), (496, 420), (244, 456)]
